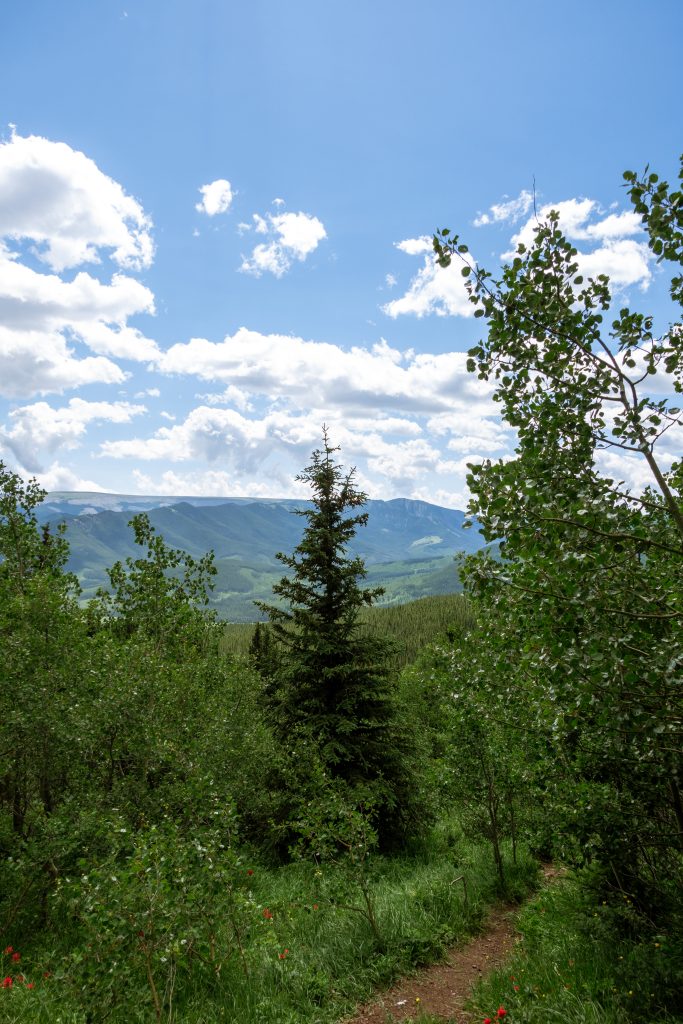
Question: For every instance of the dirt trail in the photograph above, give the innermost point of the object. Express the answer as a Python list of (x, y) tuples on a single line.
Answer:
[(444, 988)]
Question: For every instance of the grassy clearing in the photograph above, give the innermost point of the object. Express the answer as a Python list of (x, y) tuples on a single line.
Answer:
[(305, 960), (579, 965)]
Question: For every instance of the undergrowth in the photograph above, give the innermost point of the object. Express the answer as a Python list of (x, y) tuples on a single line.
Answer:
[(586, 960), (306, 959)]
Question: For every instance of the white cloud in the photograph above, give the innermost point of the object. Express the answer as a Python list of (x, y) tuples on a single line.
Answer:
[(404, 462), (626, 260), (216, 198), (232, 395), (320, 375), (390, 281), (415, 246), (616, 225), (632, 470), (61, 478), (269, 258), (213, 483), (508, 211), (574, 214), (58, 198), (467, 432), (221, 435), (37, 363), (300, 233), (293, 236), (38, 430), (262, 456), (433, 290), (400, 417)]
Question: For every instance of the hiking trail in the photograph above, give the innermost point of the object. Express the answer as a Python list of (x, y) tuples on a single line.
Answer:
[(444, 988)]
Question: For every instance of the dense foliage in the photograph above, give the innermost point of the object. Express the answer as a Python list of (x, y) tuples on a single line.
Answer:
[(582, 631), (138, 819), (409, 627)]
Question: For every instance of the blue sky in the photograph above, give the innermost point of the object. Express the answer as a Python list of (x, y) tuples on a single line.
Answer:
[(212, 219)]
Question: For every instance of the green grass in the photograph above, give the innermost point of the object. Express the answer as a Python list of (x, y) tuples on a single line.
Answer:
[(333, 962), (577, 964)]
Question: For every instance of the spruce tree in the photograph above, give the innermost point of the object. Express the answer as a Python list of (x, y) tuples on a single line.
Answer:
[(332, 686)]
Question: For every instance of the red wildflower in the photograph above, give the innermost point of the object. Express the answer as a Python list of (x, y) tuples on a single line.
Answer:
[(250, 872), (30, 985), (501, 1012), (267, 914), (315, 906), (7, 983), (487, 1020), (16, 957), (516, 988), (281, 956), (8, 949), (141, 934)]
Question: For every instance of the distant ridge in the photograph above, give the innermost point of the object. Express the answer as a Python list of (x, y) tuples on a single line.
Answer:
[(408, 545)]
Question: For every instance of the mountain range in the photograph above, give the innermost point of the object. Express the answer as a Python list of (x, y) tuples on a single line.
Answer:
[(408, 546)]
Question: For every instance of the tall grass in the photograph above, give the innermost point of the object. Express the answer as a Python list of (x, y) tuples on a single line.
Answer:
[(578, 964), (333, 960)]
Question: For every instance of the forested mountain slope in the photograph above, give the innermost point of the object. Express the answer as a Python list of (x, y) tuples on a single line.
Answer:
[(407, 545)]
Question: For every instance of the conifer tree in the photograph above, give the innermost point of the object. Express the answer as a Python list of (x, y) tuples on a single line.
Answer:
[(332, 685)]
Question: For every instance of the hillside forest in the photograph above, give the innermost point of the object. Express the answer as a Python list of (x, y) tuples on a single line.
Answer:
[(203, 823)]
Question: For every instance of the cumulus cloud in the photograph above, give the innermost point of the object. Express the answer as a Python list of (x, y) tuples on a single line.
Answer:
[(433, 290), (214, 483), (467, 432), (262, 456), (632, 470), (321, 375), (38, 362), (38, 430), (378, 403), (415, 246), (59, 199), (61, 478), (625, 259), (61, 210), (213, 434), (509, 211), (292, 236), (231, 395), (216, 198)]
